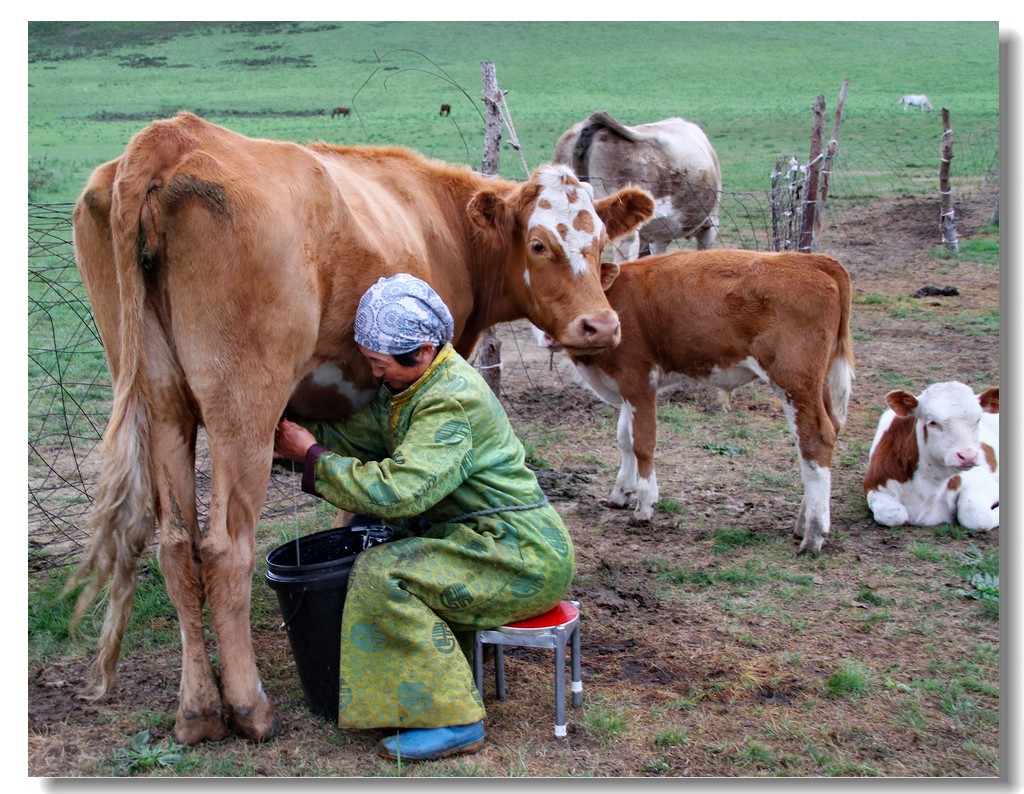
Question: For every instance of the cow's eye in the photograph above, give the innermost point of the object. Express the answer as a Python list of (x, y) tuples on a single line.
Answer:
[(934, 425), (537, 247)]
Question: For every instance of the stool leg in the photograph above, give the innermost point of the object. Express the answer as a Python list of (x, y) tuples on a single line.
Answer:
[(560, 683), (478, 663), (577, 667), (499, 670)]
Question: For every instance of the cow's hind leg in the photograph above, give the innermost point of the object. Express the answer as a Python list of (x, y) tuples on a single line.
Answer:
[(815, 436), (241, 445), (813, 519), (173, 443), (199, 716)]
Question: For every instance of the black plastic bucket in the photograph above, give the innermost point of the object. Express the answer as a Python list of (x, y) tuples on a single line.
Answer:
[(310, 576)]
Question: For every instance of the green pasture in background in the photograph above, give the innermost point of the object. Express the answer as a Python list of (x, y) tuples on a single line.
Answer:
[(750, 85)]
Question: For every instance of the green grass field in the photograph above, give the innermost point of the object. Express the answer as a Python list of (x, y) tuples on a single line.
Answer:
[(751, 86)]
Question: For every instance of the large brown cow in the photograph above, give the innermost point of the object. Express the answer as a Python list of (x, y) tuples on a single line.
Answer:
[(672, 159), (224, 273), (728, 317)]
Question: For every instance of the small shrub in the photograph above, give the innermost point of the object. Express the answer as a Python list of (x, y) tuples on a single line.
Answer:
[(670, 737), (985, 588), (851, 680), (720, 448), (605, 721), (141, 756), (735, 537)]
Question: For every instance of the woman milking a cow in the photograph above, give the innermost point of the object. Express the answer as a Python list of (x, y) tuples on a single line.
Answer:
[(433, 452)]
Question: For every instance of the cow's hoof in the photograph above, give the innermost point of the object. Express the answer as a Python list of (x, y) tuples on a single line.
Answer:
[(199, 728), (614, 505), (638, 522), (810, 546), (258, 724)]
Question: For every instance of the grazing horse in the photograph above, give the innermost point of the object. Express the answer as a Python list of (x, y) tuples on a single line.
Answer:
[(445, 110), (915, 100), (224, 274), (340, 112)]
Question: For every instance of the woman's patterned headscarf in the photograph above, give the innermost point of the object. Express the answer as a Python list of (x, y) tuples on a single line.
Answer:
[(400, 313)]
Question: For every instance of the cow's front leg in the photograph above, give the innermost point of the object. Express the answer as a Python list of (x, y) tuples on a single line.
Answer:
[(627, 249), (625, 483), (706, 236), (887, 510), (645, 434)]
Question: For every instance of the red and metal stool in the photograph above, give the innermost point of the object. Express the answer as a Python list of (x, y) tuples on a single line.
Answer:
[(557, 628)]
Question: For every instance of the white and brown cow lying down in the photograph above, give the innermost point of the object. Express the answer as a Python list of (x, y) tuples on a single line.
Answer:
[(728, 317), (224, 273), (935, 459)]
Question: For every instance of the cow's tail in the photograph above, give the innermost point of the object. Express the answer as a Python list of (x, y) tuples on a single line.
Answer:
[(597, 120), (841, 369), (123, 515)]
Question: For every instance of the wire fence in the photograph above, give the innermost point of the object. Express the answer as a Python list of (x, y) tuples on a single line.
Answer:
[(69, 386)]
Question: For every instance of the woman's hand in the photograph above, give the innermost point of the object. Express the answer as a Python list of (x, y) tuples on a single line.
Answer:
[(292, 441)]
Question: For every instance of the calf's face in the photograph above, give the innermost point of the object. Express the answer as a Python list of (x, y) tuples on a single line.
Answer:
[(947, 420)]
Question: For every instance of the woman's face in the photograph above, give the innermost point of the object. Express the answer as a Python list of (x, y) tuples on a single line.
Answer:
[(395, 375)]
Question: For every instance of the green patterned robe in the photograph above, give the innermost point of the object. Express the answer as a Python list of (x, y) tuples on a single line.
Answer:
[(493, 550)]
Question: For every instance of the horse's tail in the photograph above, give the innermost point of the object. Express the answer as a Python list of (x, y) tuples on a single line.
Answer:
[(123, 514)]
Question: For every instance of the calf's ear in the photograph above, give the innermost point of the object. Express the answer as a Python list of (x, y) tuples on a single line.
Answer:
[(902, 402), (609, 272), (990, 400), (624, 211)]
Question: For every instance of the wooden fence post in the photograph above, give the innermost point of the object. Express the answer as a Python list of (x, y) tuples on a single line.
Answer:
[(826, 171), (784, 202), (489, 347), (811, 185), (946, 227)]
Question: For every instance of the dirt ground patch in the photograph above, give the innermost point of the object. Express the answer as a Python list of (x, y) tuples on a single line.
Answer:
[(700, 659)]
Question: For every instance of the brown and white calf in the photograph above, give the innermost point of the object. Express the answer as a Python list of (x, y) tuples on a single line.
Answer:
[(935, 459), (728, 317)]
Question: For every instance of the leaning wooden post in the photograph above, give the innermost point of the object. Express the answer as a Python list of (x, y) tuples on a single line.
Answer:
[(946, 227), (811, 185), (829, 164), (489, 348)]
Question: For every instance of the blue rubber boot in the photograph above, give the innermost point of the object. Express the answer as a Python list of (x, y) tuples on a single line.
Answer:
[(428, 744)]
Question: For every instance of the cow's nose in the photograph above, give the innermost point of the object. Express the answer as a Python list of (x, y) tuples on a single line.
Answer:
[(600, 329), (967, 459)]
